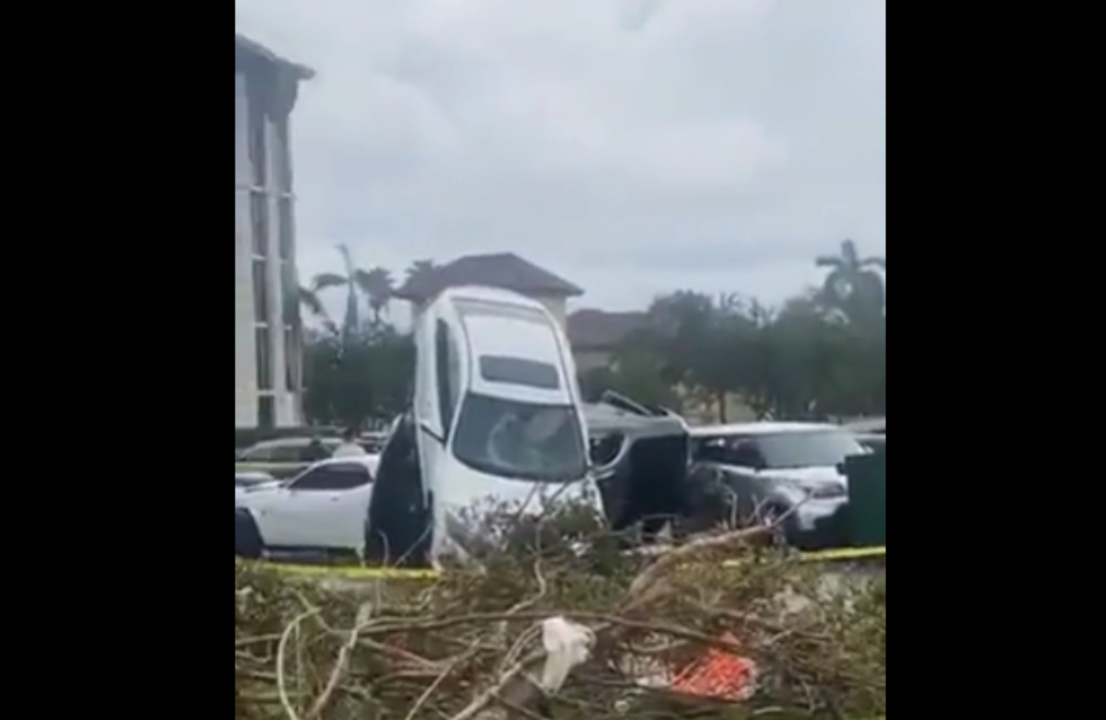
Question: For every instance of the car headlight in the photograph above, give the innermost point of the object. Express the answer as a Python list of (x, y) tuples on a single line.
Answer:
[(817, 491)]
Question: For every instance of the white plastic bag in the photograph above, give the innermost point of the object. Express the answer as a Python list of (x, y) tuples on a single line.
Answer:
[(567, 645)]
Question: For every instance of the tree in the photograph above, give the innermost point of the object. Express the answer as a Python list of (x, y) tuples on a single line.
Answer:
[(378, 285), (635, 371), (358, 378), (420, 269), (853, 285), (375, 285), (306, 298)]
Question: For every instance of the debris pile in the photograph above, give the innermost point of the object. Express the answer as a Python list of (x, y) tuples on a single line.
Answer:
[(571, 636)]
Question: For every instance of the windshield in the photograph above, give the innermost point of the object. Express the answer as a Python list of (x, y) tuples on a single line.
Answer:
[(808, 449), (526, 441)]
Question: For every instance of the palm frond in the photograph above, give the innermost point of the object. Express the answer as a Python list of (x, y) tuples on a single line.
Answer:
[(308, 299), (347, 259), (322, 281)]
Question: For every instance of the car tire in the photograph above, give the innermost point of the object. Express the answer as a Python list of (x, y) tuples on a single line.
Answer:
[(247, 537)]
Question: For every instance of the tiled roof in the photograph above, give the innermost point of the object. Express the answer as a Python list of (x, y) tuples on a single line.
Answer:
[(506, 271), (244, 45), (590, 329)]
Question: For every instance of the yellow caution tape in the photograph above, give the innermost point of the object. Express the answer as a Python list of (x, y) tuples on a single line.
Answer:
[(836, 554), (353, 572), (859, 553)]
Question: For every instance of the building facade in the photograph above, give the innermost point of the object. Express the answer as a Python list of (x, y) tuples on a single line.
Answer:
[(268, 347)]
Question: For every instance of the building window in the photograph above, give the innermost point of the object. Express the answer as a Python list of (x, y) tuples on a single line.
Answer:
[(284, 212), (289, 284), (266, 412), (291, 359), (261, 290), (264, 358), (282, 153), (259, 223), (256, 129)]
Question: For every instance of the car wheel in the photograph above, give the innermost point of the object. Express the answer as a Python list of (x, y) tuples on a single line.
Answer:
[(247, 537)]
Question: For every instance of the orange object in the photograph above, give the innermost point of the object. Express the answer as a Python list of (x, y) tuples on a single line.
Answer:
[(719, 674)]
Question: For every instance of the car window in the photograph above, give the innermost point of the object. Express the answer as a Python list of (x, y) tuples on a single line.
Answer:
[(290, 453), (519, 440), (744, 453), (817, 448), (519, 371), (339, 476), (448, 370), (704, 474), (260, 453)]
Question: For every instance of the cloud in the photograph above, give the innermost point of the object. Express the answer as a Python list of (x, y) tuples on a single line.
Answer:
[(632, 146)]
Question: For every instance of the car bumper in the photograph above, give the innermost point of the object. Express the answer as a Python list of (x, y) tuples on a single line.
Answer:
[(818, 525)]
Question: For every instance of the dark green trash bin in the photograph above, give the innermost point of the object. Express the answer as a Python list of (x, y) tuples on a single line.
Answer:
[(867, 513)]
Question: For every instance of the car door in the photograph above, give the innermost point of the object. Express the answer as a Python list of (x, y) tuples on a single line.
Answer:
[(325, 507), (437, 392)]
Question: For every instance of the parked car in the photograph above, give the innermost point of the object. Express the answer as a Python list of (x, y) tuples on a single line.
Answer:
[(869, 426), (774, 471), (373, 442), (876, 442), (321, 511), (281, 458), (243, 480)]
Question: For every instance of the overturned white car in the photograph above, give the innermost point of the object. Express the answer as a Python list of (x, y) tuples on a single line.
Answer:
[(496, 423)]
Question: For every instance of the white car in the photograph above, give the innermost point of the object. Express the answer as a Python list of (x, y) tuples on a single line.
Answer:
[(321, 510), (791, 469), (497, 420)]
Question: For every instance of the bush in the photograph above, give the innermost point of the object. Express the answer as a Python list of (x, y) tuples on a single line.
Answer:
[(386, 648)]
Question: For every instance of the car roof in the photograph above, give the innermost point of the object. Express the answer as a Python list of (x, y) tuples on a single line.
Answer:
[(369, 460), (293, 442), (760, 428), (868, 425)]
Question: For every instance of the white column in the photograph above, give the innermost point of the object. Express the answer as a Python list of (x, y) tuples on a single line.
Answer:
[(245, 373)]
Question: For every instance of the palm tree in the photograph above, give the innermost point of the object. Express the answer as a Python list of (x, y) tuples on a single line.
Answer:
[(853, 284), (377, 285), (420, 269), (352, 279), (308, 300)]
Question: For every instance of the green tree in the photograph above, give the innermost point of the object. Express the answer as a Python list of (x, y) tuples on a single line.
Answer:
[(358, 378), (636, 371)]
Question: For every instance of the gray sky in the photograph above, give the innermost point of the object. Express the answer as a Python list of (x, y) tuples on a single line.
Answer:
[(631, 146)]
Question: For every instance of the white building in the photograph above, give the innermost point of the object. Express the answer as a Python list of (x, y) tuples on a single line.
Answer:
[(267, 335)]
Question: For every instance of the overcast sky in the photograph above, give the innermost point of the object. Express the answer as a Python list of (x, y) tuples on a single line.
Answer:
[(631, 146)]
